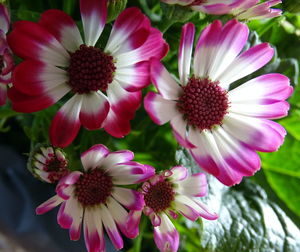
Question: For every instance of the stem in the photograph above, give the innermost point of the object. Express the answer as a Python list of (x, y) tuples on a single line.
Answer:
[(148, 11), (138, 241)]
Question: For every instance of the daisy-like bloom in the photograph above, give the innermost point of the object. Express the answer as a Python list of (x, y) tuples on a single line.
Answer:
[(171, 193), (96, 196), (48, 164), (6, 59), (241, 9), (103, 85), (222, 128)]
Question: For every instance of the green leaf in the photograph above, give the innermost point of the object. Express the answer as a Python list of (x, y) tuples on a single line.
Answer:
[(173, 14), (248, 220), (282, 171), (115, 7)]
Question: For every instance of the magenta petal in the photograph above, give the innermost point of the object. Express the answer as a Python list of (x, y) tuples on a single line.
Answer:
[(25, 103), (93, 15), (46, 77), (132, 223), (65, 125), (116, 125), (166, 238), (94, 110), (63, 219), (185, 51), (43, 45), (4, 18), (48, 205), (159, 109), (62, 26)]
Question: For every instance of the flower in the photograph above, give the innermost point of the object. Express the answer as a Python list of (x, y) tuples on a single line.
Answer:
[(222, 128), (104, 85), (252, 9), (240, 9), (94, 197), (6, 59), (171, 193), (48, 164)]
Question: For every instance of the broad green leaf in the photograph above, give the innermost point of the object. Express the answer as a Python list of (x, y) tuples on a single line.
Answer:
[(282, 171), (248, 220)]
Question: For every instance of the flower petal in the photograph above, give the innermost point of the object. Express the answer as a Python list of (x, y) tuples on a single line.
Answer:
[(93, 15), (45, 78), (185, 52), (159, 109), (209, 157), (163, 81), (131, 199), (232, 40), (116, 125), (120, 216), (259, 134), (93, 230), (194, 185), (43, 45), (49, 204), (65, 125), (127, 23), (4, 18), (245, 64), (123, 103), (131, 173), (94, 156), (94, 110), (166, 236), (132, 223), (111, 228), (262, 89), (178, 173), (62, 26), (135, 77), (117, 157), (65, 187), (154, 46), (25, 103), (77, 215), (204, 51), (179, 127)]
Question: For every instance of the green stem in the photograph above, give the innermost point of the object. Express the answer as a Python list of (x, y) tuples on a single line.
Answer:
[(138, 241), (149, 12), (68, 6)]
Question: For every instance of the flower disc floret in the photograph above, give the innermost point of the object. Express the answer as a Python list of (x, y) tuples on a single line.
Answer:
[(90, 70), (93, 188), (203, 102), (159, 196)]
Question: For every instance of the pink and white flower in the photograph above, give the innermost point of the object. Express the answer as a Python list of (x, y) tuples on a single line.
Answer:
[(6, 59), (96, 197), (49, 164), (166, 195), (222, 128), (240, 9), (104, 85)]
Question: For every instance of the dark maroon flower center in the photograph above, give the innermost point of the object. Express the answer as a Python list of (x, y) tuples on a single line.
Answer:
[(90, 70), (159, 196), (93, 188), (56, 168), (203, 102)]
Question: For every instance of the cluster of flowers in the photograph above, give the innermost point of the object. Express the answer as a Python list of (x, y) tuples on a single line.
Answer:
[(221, 128)]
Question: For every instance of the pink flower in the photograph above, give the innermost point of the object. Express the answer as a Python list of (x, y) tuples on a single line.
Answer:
[(49, 164), (104, 84), (96, 196), (6, 59), (241, 9), (222, 128), (168, 194)]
